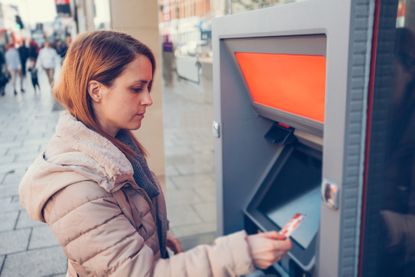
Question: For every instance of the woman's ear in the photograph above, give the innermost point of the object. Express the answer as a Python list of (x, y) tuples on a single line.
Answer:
[(94, 90)]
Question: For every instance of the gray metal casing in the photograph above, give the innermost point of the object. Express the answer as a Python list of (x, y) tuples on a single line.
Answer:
[(243, 155)]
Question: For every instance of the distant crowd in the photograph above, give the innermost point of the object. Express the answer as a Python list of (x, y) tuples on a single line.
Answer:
[(23, 57)]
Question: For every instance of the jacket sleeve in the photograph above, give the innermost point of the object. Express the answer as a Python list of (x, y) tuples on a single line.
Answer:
[(101, 241), (229, 256)]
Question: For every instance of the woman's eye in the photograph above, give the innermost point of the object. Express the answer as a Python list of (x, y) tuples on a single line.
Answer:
[(137, 90)]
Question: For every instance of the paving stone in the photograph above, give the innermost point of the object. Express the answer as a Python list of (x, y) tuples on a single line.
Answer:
[(182, 197), (182, 215), (8, 143), (7, 204), (193, 181), (179, 150), (34, 263), (27, 158), (33, 142), (14, 241), (25, 221), (6, 159), (180, 158), (193, 229), (192, 241), (8, 220), (12, 176), (207, 194), (3, 148), (5, 168), (8, 190), (42, 237), (207, 211), (194, 168), (171, 170), (26, 150), (12, 179)]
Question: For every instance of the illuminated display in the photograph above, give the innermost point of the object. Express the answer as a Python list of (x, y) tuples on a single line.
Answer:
[(291, 83)]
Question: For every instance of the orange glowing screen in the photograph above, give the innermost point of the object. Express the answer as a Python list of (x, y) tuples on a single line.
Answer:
[(291, 83)]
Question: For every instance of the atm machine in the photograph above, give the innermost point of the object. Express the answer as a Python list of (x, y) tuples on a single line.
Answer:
[(302, 95)]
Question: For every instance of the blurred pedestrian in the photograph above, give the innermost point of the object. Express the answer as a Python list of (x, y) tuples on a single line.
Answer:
[(94, 188), (34, 75), (24, 55), (168, 60), (61, 49), (33, 50), (4, 76), (47, 60), (14, 66)]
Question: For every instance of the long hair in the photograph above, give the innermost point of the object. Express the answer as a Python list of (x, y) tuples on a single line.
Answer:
[(101, 56)]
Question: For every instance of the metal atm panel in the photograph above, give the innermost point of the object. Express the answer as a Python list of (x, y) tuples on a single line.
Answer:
[(245, 157)]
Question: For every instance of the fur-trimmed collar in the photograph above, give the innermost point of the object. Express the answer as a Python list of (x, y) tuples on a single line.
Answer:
[(111, 163), (74, 154)]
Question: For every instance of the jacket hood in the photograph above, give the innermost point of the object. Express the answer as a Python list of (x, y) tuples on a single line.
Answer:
[(74, 154)]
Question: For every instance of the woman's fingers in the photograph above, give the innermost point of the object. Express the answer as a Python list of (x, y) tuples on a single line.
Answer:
[(267, 262), (274, 235), (283, 245), (178, 246), (174, 244), (267, 248)]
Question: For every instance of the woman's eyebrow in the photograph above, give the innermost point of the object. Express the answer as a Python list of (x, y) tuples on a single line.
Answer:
[(141, 82)]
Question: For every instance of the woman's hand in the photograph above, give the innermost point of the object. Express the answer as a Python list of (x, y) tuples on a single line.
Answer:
[(267, 248), (173, 243)]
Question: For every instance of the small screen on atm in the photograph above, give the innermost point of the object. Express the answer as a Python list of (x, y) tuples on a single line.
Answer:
[(291, 83), (296, 189)]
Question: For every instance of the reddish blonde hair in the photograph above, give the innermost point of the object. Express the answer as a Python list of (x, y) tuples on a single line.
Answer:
[(101, 56)]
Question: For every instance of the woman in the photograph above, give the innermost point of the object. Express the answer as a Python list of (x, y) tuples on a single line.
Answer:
[(92, 184), (47, 60), (14, 67)]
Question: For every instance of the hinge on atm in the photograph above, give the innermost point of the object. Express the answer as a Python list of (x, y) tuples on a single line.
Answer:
[(216, 129)]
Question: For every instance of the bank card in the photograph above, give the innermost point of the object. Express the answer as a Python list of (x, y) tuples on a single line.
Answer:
[(292, 225)]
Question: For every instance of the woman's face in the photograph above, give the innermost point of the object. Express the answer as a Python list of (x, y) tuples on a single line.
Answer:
[(123, 105)]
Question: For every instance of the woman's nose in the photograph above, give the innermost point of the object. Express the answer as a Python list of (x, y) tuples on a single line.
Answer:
[(147, 100)]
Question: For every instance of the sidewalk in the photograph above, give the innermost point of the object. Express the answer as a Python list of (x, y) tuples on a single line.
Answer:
[(27, 248), (190, 177)]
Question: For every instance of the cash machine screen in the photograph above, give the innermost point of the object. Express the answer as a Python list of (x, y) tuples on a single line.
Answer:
[(296, 189), (291, 83)]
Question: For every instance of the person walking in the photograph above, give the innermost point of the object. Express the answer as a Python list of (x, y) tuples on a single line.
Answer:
[(14, 66), (4, 76), (24, 55), (92, 184), (33, 50), (47, 60)]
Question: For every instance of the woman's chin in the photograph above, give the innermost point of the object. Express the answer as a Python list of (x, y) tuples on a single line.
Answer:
[(135, 125)]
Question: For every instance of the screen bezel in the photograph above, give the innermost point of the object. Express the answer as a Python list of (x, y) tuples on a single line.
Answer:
[(310, 44)]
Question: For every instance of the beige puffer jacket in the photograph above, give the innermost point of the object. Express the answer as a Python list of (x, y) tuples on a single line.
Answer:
[(82, 186)]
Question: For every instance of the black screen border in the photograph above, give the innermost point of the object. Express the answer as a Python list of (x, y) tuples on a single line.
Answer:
[(305, 257)]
